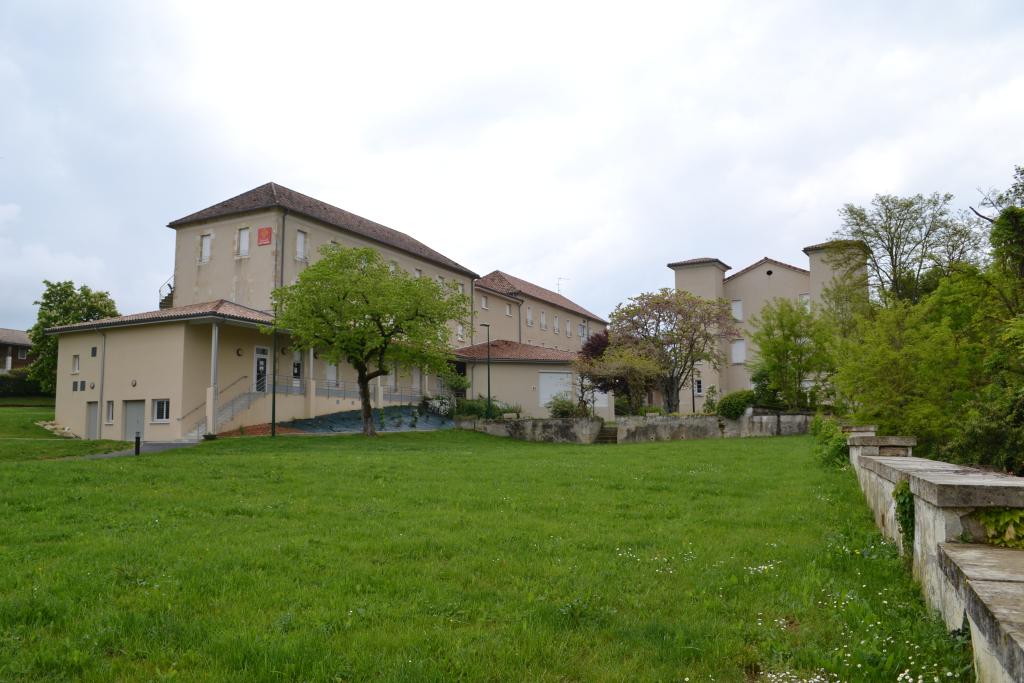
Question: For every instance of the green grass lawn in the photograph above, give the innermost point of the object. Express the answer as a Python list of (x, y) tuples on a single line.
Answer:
[(21, 439), (35, 401), (455, 556)]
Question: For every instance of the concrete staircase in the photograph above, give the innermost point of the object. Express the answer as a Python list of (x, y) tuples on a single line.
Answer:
[(226, 413), (608, 434)]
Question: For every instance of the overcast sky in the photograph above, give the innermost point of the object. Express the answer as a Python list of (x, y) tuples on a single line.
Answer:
[(550, 140)]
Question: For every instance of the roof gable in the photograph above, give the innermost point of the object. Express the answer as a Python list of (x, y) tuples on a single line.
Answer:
[(272, 195), (762, 262), (221, 308), (503, 350), (14, 337)]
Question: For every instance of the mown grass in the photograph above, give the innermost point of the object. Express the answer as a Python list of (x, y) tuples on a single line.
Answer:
[(22, 439), (454, 556), (34, 401)]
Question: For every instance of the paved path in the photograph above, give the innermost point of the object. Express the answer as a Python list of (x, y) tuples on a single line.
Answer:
[(146, 448)]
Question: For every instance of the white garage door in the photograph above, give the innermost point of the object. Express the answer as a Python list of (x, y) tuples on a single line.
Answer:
[(550, 384)]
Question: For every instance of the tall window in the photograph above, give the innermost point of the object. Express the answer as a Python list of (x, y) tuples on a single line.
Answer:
[(582, 330), (440, 278), (161, 410), (508, 310), (417, 272), (243, 241), (300, 245), (110, 412), (738, 351), (483, 302), (805, 301), (543, 320), (529, 316), (698, 387), (204, 248), (461, 332), (568, 327), (75, 363), (462, 288), (556, 327), (737, 309), (23, 353)]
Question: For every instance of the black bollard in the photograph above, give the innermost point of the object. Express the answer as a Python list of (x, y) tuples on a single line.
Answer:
[(138, 443)]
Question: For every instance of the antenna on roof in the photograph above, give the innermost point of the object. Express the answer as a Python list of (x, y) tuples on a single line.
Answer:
[(558, 284)]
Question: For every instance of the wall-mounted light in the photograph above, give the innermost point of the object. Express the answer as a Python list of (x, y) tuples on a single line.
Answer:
[(134, 383), (238, 352), (92, 385)]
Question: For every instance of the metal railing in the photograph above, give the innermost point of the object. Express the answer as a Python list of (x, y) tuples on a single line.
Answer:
[(220, 393), (166, 288)]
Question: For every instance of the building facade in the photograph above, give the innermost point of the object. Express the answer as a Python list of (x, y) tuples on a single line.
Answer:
[(15, 349), (748, 291), (202, 363)]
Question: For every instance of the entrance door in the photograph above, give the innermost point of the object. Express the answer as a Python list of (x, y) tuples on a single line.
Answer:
[(297, 369), (134, 419), (92, 414), (260, 369)]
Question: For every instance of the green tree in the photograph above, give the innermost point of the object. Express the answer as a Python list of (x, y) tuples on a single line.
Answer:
[(792, 349), (353, 307), (62, 304), (674, 330), (619, 370), (906, 237)]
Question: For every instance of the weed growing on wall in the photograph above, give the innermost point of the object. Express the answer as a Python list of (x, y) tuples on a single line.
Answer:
[(905, 515), (1003, 526)]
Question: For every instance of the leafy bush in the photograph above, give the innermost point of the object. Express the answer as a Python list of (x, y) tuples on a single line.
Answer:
[(829, 442), (711, 400), (622, 406), (992, 432), (765, 395), (17, 383), (1003, 526), (652, 410), (732, 406), (563, 406)]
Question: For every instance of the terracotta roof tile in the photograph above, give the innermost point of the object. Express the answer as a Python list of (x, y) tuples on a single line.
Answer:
[(509, 285), (699, 261), (503, 350), (221, 308), (273, 195), (834, 243), (14, 337)]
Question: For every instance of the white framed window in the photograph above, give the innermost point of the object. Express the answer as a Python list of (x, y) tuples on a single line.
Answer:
[(74, 386), (508, 310), (462, 288), (568, 327), (440, 278), (698, 387), (76, 364), (529, 316), (460, 332), (300, 245), (483, 302), (555, 326), (582, 328), (418, 273), (392, 267), (543, 320), (243, 241), (737, 310), (23, 353), (161, 410), (109, 417), (92, 352), (204, 248), (551, 384), (738, 351), (805, 301)]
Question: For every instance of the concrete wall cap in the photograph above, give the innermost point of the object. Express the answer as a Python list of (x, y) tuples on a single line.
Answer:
[(945, 484), (859, 440)]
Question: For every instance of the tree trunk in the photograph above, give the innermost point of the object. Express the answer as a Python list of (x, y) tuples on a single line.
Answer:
[(670, 389), (364, 397)]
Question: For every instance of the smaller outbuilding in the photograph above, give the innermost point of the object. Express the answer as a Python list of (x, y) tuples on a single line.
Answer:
[(15, 349)]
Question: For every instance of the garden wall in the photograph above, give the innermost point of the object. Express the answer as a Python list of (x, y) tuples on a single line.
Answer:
[(960, 577), (674, 428), (553, 430)]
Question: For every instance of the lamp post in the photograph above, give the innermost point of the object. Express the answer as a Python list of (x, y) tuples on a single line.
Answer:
[(487, 326)]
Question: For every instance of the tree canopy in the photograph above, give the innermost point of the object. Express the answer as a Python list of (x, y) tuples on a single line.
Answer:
[(353, 307), (62, 304), (674, 330), (792, 351)]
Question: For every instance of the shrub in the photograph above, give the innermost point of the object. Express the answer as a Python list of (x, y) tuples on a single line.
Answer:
[(733, 405), (17, 383), (711, 400), (563, 406), (992, 432), (477, 407), (648, 410), (765, 395), (829, 442), (622, 406)]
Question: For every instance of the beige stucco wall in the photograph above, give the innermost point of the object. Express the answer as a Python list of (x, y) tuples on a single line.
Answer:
[(249, 280), (151, 356), (518, 383), (701, 279), (538, 336), (503, 325)]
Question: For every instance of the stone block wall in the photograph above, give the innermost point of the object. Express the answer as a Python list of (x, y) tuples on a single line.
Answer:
[(582, 430), (675, 428), (959, 578)]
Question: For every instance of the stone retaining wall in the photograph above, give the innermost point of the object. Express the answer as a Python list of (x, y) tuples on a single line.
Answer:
[(673, 428), (959, 578), (553, 430)]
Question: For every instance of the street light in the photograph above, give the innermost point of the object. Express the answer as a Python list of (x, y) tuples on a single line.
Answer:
[(487, 326)]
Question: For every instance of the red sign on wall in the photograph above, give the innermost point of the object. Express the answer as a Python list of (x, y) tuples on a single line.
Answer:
[(263, 236)]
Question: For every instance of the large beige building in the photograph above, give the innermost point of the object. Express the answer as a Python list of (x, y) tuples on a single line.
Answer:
[(202, 364), (748, 290)]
